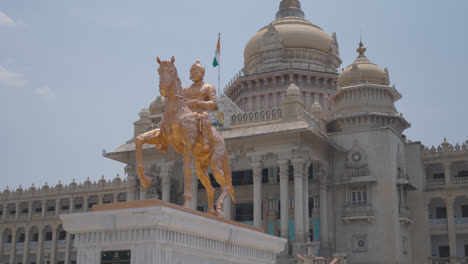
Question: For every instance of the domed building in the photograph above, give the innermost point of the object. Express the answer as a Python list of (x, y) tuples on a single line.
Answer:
[(318, 157)]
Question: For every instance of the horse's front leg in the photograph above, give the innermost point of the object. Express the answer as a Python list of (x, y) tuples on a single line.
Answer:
[(152, 137)]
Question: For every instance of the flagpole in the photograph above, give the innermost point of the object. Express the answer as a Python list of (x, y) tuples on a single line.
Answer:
[(219, 69)]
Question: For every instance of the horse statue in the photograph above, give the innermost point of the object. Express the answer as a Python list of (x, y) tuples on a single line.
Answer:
[(180, 128)]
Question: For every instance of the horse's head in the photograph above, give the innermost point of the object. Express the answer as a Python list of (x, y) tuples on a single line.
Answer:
[(167, 75)]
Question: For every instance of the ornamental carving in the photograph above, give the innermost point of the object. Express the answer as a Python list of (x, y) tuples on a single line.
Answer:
[(236, 149), (271, 39), (356, 164)]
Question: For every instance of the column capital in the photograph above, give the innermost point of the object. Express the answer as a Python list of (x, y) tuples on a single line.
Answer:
[(449, 200), (298, 161)]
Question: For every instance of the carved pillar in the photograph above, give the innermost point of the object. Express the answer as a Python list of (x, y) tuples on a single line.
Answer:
[(54, 244), (85, 203), (194, 190), (447, 173), (57, 205), (298, 164), (132, 182), (306, 199), (166, 181), (30, 203), (26, 245), (1, 239), (72, 202), (324, 241), (17, 210), (5, 208), (428, 225), (257, 192), (100, 198), (452, 235), (13, 246), (67, 248), (41, 243), (284, 197)]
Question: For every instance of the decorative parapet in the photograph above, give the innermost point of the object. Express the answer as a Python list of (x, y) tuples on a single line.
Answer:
[(446, 147), (313, 122), (356, 212), (102, 185), (257, 116)]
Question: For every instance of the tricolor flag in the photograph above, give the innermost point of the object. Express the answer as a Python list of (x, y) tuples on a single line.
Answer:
[(217, 52)]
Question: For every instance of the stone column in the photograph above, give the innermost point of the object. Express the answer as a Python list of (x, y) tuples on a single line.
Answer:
[(44, 204), (26, 245), (13, 245), (257, 192), (57, 205), (447, 173), (100, 196), (132, 182), (166, 181), (428, 225), (67, 248), (194, 190), (54, 244), (85, 203), (72, 203), (30, 203), (1, 240), (452, 235), (41, 243), (5, 208), (17, 211), (306, 199), (324, 241), (142, 194), (298, 164), (284, 197)]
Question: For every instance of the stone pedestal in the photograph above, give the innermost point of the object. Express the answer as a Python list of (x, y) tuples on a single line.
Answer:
[(158, 232)]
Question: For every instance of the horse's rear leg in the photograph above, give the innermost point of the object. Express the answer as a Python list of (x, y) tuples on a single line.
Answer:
[(205, 180), (187, 178), (220, 178)]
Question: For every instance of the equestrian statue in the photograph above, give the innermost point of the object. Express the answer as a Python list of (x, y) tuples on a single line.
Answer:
[(185, 126)]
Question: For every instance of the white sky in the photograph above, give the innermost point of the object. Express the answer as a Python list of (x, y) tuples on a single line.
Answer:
[(74, 75)]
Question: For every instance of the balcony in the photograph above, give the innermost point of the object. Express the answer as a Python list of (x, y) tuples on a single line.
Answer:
[(20, 245), (433, 184), (435, 260), (24, 216), (459, 180), (438, 222), (33, 244), (461, 221), (50, 213), (358, 212)]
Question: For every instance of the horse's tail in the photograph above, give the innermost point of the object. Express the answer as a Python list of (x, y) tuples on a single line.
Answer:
[(228, 175)]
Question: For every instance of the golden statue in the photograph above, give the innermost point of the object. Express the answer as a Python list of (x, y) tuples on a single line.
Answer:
[(186, 128)]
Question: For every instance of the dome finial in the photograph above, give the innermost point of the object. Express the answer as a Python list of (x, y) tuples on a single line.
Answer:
[(361, 50), (290, 8)]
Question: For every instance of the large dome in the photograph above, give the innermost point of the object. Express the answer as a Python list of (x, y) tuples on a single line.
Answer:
[(294, 32), (363, 70), (291, 42)]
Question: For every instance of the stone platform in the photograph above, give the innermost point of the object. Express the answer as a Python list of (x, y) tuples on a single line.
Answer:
[(157, 232)]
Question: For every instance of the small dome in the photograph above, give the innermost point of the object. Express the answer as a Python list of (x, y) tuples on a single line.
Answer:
[(290, 8), (363, 70), (157, 106), (293, 90)]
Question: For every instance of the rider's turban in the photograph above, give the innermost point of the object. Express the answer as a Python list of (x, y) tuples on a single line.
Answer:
[(198, 66)]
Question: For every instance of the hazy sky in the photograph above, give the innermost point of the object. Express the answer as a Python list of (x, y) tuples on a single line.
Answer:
[(75, 74)]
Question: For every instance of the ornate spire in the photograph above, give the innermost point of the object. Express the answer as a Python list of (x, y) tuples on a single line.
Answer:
[(361, 50), (290, 8)]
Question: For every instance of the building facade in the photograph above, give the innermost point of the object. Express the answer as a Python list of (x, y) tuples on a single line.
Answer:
[(317, 155)]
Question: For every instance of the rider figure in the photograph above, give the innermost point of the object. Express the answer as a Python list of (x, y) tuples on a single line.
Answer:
[(201, 97)]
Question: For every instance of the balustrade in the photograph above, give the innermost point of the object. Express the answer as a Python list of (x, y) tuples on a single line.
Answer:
[(434, 260), (438, 222), (351, 210), (459, 180), (461, 221), (435, 183)]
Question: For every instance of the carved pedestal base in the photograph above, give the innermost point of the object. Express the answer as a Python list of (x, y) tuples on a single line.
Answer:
[(157, 232)]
